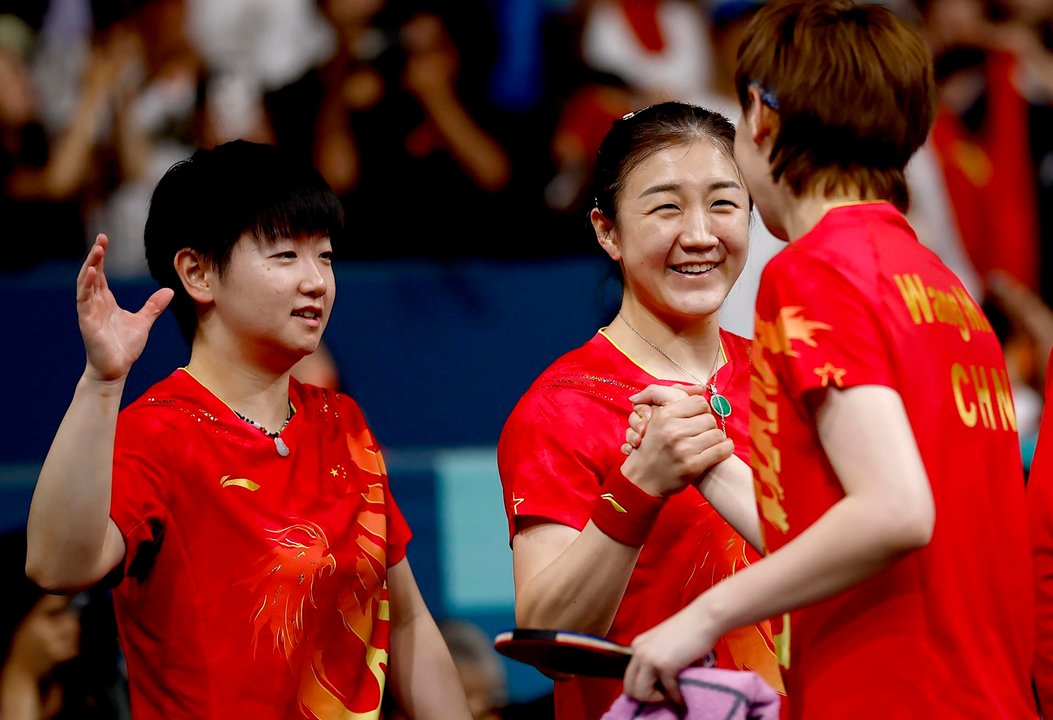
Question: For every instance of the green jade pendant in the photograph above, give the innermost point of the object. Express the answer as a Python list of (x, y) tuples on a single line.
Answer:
[(719, 404)]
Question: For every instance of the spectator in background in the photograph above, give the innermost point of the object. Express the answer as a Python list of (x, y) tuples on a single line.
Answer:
[(658, 46), (982, 140), (44, 674), (1027, 33), (261, 57), (43, 178), (480, 668), (162, 113), (403, 129)]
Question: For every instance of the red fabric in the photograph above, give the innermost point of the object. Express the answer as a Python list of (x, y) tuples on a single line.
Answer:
[(989, 178), (255, 584), (563, 437), (1040, 499), (624, 511), (947, 630), (642, 16)]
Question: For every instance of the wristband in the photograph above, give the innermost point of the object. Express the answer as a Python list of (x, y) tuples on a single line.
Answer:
[(623, 511)]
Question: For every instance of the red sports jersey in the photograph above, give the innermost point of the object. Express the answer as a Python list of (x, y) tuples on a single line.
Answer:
[(255, 584), (563, 437), (1040, 498), (946, 631)]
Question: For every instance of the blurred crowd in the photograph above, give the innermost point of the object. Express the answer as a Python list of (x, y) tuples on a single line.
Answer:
[(468, 128), (477, 119)]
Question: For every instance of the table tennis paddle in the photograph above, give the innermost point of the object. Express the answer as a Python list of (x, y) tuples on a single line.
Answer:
[(562, 652)]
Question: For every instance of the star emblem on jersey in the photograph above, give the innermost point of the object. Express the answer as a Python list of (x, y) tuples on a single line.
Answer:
[(830, 371)]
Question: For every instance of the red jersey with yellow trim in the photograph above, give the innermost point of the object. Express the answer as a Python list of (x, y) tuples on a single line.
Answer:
[(947, 630), (560, 441), (255, 584), (1040, 499)]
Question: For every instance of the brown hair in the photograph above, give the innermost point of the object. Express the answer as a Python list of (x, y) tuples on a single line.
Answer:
[(853, 89), (635, 137)]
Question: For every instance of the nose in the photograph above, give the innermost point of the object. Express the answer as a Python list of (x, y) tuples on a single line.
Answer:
[(698, 230), (314, 282)]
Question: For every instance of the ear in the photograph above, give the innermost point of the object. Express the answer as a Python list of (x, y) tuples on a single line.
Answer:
[(195, 273), (761, 120), (605, 234)]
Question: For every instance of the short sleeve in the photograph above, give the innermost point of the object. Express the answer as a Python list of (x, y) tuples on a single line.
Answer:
[(554, 451), (399, 533), (367, 456), (138, 504), (819, 329)]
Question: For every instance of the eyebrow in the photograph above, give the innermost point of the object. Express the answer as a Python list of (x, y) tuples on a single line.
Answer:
[(673, 187)]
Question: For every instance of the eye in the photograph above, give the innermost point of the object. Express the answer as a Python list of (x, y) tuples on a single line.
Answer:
[(285, 255), (327, 256), (667, 207), (724, 203)]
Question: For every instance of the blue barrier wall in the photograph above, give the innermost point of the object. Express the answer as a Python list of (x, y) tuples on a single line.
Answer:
[(436, 355)]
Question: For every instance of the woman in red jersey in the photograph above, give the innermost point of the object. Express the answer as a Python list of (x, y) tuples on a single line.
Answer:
[(610, 548), (259, 555), (882, 434)]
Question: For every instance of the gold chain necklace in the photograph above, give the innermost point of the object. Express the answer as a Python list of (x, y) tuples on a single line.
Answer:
[(717, 402)]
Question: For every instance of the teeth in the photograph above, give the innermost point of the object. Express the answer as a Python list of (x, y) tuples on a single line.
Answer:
[(695, 268)]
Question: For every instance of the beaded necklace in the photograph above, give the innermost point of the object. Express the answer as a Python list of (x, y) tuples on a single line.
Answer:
[(279, 444)]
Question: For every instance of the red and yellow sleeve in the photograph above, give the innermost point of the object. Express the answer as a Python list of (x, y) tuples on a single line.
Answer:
[(818, 329), (550, 457), (366, 454)]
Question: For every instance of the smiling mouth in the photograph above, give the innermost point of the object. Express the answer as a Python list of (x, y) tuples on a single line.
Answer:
[(308, 314), (694, 268)]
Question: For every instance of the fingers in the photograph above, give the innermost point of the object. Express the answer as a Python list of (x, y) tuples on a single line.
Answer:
[(658, 395), (88, 277), (686, 407), (640, 681), (668, 686), (156, 304), (646, 682), (637, 425), (718, 449)]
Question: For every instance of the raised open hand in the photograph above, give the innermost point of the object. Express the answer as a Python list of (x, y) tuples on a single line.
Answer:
[(113, 337)]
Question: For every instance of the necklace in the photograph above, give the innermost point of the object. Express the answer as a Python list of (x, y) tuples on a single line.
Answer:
[(717, 402), (279, 444)]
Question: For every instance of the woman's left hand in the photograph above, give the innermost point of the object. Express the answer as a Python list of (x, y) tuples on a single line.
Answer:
[(661, 653)]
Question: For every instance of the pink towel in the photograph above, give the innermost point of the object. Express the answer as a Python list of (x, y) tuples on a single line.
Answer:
[(710, 694)]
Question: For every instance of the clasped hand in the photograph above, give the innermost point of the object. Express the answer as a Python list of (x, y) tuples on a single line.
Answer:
[(672, 440)]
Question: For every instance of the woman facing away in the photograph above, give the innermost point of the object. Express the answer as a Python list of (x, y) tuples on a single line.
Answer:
[(882, 431), (608, 545)]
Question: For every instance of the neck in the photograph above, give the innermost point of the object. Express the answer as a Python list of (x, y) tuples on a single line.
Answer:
[(252, 391), (679, 350), (804, 213)]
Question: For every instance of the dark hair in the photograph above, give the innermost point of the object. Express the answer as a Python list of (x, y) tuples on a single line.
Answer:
[(853, 88), (638, 135), (209, 201)]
